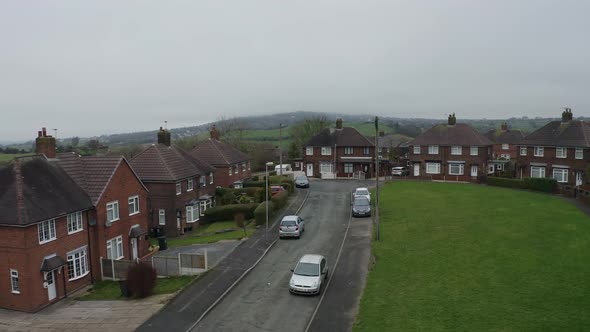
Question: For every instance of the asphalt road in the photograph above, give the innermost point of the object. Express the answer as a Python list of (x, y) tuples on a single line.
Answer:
[(262, 302)]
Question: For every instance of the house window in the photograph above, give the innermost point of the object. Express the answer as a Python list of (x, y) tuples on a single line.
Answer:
[(133, 205), (348, 168), (75, 222), (325, 167), (192, 213), (560, 174), (523, 150), (236, 169), (211, 178), (539, 151), (202, 207), (77, 264), (579, 154), (178, 188), (15, 287), (474, 151), (416, 149), (189, 184), (348, 150), (203, 181), (243, 167), (326, 150), (46, 231), (162, 217), (115, 248), (229, 170), (433, 149), (537, 172), (432, 168), (455, 150), (309, 151), (456, 169), (365, 151), (491, 168), (113, 211), (500, 167), (561, 152), (504, 146)]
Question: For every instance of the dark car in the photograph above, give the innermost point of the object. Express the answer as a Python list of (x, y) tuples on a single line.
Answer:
[(361, 207), (301, 181)]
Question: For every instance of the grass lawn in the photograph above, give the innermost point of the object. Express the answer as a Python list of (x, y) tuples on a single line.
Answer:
[(109, 290), (196, 237), (470, 258)]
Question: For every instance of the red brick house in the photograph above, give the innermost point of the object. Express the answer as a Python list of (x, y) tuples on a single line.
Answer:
[(339, 152), (451, 151), (44, 229), (504, 149), (231, 165), (181, 188), (558, 150)]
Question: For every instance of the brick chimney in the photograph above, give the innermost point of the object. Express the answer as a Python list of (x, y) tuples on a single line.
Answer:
[(567, 115), (214, 133), (338, 123), (45, 144), (452, 119), (504, 126), (164, 137)]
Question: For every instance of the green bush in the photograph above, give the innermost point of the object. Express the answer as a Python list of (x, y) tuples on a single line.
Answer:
[(255, 178), (250, 191), (503, 182), (249, 184), (277, 179), (289, 184), (227, 212), (219, 192), (260, 212), (546, 185), (228, 198), (280, 199)]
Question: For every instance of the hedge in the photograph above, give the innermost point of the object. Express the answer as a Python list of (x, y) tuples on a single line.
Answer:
[(504, 182), (227, 212), (260, 212), (289, 184), (547, 185), (251, 191), (249, 184), (280, 199), (277, 179)]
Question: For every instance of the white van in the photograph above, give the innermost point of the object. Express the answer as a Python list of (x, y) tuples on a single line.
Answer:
[(286, 168)]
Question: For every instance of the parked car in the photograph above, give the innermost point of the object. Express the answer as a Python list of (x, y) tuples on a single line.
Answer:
[(361, 192), (291, 226), (361, 207), (309, 275), (400, 171), (301, 181), (276, 189)]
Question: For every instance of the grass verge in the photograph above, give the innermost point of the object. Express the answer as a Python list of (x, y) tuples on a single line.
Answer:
[(198, 237)]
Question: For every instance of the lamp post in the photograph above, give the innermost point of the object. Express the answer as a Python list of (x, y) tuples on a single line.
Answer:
[(266, 198), (280, 149), (377, 177)]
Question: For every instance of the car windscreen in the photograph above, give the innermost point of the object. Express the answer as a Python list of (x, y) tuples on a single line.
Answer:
[(307, 269), (301, 178), (361, 192), (361, 202), (288, 223)]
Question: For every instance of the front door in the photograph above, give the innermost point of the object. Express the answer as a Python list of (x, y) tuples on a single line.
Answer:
[(416, 169), (578, 178), (134, 248), (474, 170), (50, 282), (310, 169)]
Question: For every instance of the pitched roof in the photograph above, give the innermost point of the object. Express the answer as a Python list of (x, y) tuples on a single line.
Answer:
[(347, 136), (215, 152), (392, 140), (32, 189), (458, 134), (160, 162), (504, 136), (575, 133)]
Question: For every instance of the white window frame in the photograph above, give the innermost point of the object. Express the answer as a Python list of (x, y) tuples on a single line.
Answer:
[(133, 203), (348, 150), (46, 231), (115, 244), (459, 171), (523, 150), (244, 167), (456, 150), (326, 167), (326, 150), (538, 169), (560, 152), (77, 263), (579, 153), (433, 149), (14, 282), (561, 175), (505, 146), (162, 217), (366, 151), (348, 168), (474, 151), (178, 188), (202, 208), (539, 151), (211, 178), (417, 149), (202, 181), (230, 170), (75, 222), (436, 168), (237, 169), (309, 150), (189, 185), (114, 207), (192, 213)]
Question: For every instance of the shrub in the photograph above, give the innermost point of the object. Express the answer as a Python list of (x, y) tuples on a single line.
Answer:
[(288, 187), (227, 212), (141, 279), (251, 191), (260, 212), (280, 199), (546, 185), (248, 184), (503, 182), (277, 179), (288, 184), (228, 198), (220, 191), (255, 178)]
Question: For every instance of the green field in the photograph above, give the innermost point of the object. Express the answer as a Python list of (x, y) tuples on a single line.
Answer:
[(471, 258)]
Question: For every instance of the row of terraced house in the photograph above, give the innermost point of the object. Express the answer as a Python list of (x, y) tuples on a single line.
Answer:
[(60, 213)]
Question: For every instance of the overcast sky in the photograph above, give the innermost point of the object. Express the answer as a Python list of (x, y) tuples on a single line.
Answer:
[(95, 67)]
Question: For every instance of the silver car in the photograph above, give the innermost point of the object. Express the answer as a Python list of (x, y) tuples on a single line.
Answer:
[(309, 275), (291, 226), (301, 181), (362, 192)]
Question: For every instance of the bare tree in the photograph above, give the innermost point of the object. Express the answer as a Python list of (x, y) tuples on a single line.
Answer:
[(232, 130), (302, 132)]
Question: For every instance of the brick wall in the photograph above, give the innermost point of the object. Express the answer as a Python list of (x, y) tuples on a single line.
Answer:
[(497, 151), (523, 167), (317, 158), (444, 156), (223, 179)]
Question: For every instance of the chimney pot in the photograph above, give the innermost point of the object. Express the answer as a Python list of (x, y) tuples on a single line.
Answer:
[(44, 132), (452, 119), (39, 133), (164, 137), (45, 144)]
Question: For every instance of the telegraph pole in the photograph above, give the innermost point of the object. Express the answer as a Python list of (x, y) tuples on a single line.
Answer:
[(280, 149), (377, 178)]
